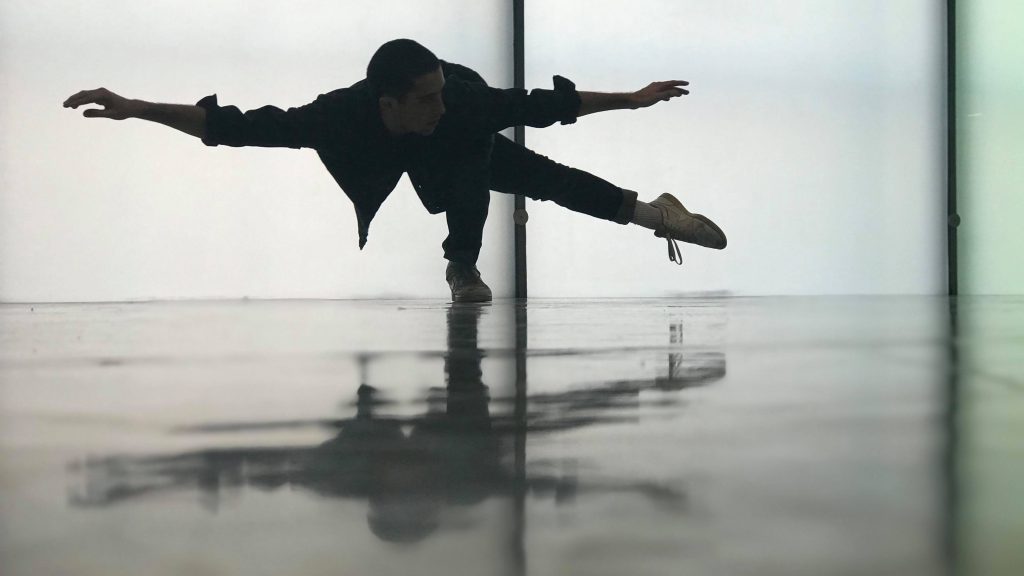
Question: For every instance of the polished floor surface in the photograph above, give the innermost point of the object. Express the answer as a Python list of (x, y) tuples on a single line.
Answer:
[(733, 436)]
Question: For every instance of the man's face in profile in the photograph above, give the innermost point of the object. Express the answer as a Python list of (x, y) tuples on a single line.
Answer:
[(421, 109)]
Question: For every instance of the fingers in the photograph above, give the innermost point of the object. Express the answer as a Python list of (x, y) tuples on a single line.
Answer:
[(97, 96), (671, 84), (669, 89), (674, 85), (672, 93), (76, 100), (100, 96)]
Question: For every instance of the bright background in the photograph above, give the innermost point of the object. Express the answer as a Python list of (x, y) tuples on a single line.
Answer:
[(814, 135), (93, 209)]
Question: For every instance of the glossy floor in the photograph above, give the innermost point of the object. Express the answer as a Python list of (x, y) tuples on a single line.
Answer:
[(687, 436)]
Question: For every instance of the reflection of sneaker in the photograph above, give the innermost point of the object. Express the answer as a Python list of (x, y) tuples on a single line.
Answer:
[(680, 224), (466, 285)]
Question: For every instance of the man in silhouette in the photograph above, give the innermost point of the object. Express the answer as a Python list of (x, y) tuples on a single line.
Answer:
[(438, 122)]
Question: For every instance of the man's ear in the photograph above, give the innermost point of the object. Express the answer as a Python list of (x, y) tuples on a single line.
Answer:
[(387, 103)]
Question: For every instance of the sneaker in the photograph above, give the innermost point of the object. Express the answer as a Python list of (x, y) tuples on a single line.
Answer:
[(680, 224), (466, 285)]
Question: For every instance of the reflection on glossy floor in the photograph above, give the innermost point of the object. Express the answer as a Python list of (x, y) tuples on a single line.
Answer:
[(684, 436)]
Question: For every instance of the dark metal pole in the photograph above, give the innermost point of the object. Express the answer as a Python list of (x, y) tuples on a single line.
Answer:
[(952, 218), (519, 320), (952, 415), (519, 65), (952, 454)]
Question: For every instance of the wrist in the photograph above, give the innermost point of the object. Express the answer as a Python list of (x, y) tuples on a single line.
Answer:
[(137, 108)]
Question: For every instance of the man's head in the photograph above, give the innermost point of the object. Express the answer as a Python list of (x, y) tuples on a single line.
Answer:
[(406, 78)]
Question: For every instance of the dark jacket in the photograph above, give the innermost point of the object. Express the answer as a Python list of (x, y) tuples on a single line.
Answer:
[(345, 129)]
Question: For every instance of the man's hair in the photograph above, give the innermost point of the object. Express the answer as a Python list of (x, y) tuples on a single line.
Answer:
[(396, 64)]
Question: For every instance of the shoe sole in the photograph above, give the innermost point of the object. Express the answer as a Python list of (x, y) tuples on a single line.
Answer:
[(675, 201), (470, 298)]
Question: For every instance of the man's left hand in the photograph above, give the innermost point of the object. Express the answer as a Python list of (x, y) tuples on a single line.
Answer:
[(659, 91)]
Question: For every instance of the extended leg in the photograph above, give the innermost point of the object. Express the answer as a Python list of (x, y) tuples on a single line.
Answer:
[(515, 169), (518, 170)]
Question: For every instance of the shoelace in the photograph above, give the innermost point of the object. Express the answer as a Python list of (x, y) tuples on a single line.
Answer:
[(673, 249), (674, 254)]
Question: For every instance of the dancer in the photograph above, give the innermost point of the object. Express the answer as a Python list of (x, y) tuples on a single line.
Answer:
[(438, 122)]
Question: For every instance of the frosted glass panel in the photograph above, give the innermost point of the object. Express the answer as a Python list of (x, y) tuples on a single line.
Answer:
[(814, 135), (990, 123), (92, 209)]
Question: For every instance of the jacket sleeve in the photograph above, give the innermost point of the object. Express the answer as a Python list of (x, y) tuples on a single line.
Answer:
[(313, 125), (494, 109)]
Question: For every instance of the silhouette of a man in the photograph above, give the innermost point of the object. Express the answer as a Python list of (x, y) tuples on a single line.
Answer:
[(438, 122)]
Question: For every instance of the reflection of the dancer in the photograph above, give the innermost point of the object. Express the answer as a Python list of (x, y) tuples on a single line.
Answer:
[(690, 368), (451, 456), (408, 469)]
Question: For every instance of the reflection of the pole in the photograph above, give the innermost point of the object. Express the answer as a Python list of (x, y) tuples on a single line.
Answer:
[(519, 415), (949, 540), (696, 369)]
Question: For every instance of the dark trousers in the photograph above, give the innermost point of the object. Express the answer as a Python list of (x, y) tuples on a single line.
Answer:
[(513, 169)]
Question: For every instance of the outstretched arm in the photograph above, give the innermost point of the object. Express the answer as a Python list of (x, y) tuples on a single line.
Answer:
[(653, 93), (310, 126), (189, 119), (480, 108)]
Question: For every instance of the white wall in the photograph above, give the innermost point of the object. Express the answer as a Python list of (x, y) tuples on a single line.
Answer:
[(814, 135), (92, 209)]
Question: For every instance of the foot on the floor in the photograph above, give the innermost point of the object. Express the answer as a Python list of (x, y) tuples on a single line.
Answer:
[(466, 284), (680, 224)]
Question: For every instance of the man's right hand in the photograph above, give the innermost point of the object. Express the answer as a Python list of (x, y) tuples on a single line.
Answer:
[(114, 107)]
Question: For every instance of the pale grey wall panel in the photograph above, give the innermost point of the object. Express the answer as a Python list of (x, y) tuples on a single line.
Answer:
[(990, 125), (814, 135), (92, 209)]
